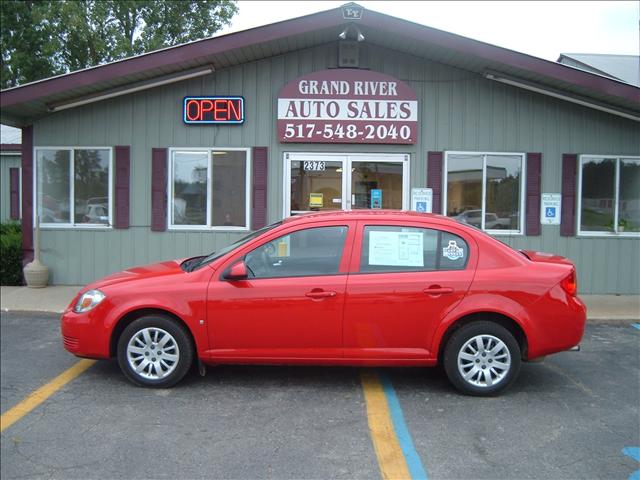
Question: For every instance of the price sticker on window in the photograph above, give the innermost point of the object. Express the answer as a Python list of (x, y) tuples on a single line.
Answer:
[(310, 166)]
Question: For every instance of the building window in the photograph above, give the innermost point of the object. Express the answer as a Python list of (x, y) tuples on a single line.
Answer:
[(209, 189), (485, 190), (73, 186), (609, 195)]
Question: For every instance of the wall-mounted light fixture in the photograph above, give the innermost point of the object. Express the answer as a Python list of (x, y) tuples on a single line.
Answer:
[(551, 93), (357, 33)]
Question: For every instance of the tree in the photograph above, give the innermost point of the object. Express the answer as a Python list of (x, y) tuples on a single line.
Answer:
[(41, 38)]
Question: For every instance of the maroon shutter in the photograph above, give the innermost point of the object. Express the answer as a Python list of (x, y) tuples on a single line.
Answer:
[(568, 220), (434, 178), (27, 194), (534, 168), (14, 193), (259, 202), (122, 187), (159, 189)]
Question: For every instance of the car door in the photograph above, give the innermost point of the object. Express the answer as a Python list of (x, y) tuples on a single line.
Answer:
[(291, 304), (405, 278)]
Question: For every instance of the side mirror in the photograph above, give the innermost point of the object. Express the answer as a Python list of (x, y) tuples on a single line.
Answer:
[(238, 271)]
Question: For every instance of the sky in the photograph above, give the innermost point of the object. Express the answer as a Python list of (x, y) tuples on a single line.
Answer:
[(542, 29)]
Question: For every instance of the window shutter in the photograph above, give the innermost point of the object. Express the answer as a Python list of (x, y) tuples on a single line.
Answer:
[(260, 159), (122, 187), (14, 193), (159, 189), (534, 168), (434, 178), (27, 194), (568, 218)]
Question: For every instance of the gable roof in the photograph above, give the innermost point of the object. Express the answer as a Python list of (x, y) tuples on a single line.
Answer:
[(22, 104), (625, 68)]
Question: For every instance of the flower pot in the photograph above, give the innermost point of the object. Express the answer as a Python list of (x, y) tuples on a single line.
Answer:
[(36, 274)]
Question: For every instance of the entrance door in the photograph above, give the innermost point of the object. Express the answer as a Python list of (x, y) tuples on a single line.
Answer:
[(330, 181)]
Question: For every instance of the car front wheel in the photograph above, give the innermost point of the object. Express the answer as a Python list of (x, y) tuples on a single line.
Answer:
[(155, 351), (482, 358)]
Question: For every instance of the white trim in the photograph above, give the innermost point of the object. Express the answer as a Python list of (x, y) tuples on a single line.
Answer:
[(71, 224), (523, 184), (20, 192), (210, 173), (347, 160), (616, 197)]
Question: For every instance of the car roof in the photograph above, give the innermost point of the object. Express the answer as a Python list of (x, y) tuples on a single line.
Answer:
[(399, 215)]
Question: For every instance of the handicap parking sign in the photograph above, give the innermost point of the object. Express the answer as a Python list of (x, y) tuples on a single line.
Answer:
[(551, 204), (421, 207)]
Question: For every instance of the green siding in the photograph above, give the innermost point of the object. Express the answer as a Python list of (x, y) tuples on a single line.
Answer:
[(6, 162), (459, 110)]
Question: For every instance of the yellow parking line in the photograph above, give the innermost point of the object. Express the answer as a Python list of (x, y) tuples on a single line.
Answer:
[(385, 441), (40, 395)]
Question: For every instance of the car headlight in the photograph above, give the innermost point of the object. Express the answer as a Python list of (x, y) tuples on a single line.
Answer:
[(88, 300)]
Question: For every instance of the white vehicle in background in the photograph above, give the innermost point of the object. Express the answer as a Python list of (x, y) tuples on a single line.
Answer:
[(96, 213), (491, 220)]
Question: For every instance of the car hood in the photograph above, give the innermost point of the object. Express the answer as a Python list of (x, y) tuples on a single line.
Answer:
[(154, 270)]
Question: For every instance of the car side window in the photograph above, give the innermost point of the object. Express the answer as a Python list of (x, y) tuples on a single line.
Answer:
[(411, 249), (309, 252)]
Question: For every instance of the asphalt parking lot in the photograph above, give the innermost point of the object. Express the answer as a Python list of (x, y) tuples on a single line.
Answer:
[(569, 417)]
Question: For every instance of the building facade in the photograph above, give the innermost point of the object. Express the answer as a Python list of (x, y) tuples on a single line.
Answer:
[(180, 152)]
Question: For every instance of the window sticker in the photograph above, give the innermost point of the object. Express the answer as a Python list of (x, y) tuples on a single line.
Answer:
[(316, 200), (284, 246), (396, 249), (453, 251)]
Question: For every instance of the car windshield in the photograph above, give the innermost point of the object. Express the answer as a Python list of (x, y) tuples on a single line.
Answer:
[(215, 255)]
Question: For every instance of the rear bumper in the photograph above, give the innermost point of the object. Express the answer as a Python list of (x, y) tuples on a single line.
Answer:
[(557, 323)]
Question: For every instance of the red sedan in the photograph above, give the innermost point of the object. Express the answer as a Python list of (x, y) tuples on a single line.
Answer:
[(383, 288)]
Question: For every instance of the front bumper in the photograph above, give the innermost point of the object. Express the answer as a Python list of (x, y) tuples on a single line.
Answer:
[(84, 334)]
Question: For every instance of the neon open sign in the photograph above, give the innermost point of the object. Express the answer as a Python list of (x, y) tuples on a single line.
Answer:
[(213, 110)]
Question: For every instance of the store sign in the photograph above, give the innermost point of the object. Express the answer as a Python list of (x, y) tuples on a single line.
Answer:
[(213, 110), (550, 208), (347, 106)]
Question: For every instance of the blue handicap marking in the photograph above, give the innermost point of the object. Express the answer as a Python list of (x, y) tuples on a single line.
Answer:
[(421, 207), (633, 452), (550, 212)]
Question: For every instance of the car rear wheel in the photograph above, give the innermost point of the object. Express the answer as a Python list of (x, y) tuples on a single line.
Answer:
[(155, 351), (482, 358)]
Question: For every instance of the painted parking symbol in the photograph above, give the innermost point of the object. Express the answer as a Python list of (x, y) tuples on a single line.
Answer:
[(633, 452)]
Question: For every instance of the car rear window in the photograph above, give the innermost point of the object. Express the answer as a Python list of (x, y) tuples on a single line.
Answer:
[(411, 249)]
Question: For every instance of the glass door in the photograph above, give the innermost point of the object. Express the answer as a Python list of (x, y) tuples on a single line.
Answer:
[(378, 182), (316, 183), (328, 181)]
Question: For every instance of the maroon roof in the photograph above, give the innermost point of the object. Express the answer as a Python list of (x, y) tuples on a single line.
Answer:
[(377, 27)]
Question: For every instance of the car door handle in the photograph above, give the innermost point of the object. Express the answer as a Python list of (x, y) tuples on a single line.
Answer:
[(320, 294), (437, 290)]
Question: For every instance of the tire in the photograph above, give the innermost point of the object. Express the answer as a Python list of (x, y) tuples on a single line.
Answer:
[(477, 345), (159, 343)]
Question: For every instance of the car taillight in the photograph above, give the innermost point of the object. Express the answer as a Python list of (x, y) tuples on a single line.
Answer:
[(570, 284)]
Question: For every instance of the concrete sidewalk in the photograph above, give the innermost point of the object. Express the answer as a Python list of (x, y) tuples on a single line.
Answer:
[(600, 308)]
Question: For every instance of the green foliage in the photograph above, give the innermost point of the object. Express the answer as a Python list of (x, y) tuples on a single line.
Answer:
[(41, 38), (10, 254)]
